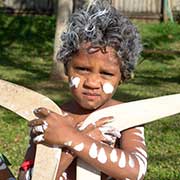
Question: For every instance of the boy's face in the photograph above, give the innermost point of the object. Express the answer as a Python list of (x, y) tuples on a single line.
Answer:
[(94, 77)]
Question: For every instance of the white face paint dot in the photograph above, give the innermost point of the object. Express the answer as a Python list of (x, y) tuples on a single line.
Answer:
[(74, 82), (122, 161), (102, 156), (108, 88), (79, 147), (93, 151), (113, 156)]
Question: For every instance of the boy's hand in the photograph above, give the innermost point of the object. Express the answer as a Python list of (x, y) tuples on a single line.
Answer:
[(50, 127), (101, 132)]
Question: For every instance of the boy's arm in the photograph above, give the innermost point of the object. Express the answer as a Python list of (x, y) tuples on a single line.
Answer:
[(127, 162)]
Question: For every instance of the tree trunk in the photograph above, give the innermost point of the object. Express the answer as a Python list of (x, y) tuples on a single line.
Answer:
[(64, 8)]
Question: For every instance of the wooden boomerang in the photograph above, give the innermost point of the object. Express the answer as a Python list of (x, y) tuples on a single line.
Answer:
[(23, 101)]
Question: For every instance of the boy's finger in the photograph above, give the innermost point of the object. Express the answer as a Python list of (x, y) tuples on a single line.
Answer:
[(41, 112), (98, 124), (35, 122), (103, 121)]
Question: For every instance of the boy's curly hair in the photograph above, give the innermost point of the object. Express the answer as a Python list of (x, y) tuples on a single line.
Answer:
[(102, 25)]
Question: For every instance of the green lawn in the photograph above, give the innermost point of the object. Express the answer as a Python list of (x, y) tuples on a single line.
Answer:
[(26, 58)]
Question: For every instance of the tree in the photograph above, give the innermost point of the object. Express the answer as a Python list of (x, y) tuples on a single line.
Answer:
[(64, 9)]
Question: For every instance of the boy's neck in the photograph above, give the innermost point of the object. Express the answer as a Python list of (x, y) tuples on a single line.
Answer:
[(74, 108)]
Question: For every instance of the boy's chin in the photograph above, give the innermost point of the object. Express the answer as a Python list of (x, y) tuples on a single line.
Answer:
[(91, 107)]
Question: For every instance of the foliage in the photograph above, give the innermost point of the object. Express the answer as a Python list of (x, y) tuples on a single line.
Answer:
[(26, 58)]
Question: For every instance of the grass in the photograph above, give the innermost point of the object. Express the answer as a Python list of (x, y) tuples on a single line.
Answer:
[(26, 58)]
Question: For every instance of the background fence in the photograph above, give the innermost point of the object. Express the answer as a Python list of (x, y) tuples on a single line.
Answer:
[(152, 9)]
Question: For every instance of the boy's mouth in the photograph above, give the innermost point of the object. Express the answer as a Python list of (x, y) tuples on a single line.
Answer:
[(91, 95)]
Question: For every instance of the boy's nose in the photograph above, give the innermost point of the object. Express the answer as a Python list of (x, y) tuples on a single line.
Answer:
[(93, 82)]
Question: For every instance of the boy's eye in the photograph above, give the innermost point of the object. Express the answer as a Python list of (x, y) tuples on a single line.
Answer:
[(107, 73), (81, 69)]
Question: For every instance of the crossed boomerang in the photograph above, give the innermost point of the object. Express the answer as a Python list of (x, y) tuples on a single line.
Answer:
[(23, 101)]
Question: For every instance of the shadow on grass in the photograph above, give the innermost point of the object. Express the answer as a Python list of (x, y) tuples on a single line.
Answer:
[(26, 49), (23, 38)]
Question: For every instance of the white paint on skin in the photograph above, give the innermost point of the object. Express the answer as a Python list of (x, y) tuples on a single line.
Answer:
[(74, 82), (68, 143), (131, 162), (39, 138), (142, 165), (108, 88), (79, 147), (110, 130), (142, 151), (102, 158), (39, 129), (93, 151), (139, 134), (64, 174), (137, 154), (122, 160), (114, 156), (140, 141), (140, 129)]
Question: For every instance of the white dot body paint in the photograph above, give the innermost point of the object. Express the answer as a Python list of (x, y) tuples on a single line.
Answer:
[(39, 138), (102, 158), (64, 174), (113, 156), (108, 88), (68, 143), (79, 147), (131, 162), (122, 160), (93, 151), (74, 82), (39, 129)]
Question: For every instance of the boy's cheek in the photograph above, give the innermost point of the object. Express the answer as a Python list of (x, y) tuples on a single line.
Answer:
[(74, 82)]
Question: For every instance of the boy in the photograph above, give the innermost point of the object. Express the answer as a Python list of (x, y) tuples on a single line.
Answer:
[(100, 49)]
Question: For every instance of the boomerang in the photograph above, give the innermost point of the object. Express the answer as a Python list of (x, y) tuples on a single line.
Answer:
[(23, 101)]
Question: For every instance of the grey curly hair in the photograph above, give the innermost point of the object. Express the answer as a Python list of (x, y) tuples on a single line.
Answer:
[(102, 25)]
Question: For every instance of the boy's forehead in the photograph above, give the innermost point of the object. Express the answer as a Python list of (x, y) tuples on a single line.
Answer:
[(109, 57)]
